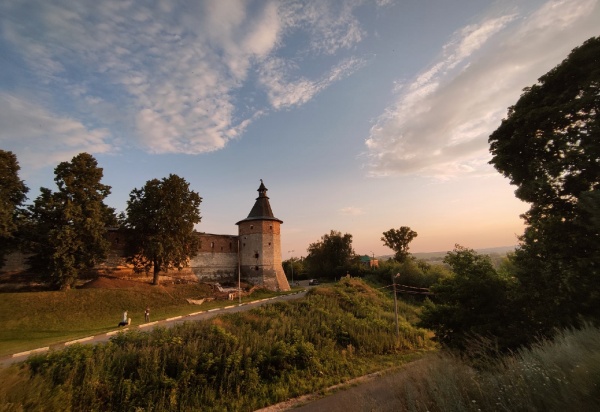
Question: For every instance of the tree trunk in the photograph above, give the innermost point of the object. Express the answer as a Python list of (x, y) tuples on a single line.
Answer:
[(155, 280)]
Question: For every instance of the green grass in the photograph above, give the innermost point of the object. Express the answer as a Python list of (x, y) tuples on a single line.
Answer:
[(248, 360), (239, 361), (32, 320)]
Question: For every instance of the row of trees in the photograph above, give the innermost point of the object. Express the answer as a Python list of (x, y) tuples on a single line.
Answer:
[(333, 256), (65, 229)]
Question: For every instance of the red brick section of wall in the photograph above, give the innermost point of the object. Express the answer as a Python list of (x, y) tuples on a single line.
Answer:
[(209, 243), (205, 263)]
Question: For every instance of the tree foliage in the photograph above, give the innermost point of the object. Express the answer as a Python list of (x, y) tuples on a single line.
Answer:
[(12, 195), (160, 221), (331, 256), (294, 268), (398, 240), (548, 147), (474, 302), (68, 227), (411, 272)]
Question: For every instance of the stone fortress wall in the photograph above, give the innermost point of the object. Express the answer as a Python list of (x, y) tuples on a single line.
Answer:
[(217, 258)]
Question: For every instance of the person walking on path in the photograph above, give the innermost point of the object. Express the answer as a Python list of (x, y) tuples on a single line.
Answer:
[(147, 314), (125, 321)]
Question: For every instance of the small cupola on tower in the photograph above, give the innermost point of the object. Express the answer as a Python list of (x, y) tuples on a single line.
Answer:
[(262, 208), (260, 245)]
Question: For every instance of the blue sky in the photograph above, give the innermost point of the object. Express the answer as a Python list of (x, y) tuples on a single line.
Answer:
[(360, 116)]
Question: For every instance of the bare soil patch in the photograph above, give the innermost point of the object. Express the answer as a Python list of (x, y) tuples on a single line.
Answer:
[(22, 282), (108, 282)]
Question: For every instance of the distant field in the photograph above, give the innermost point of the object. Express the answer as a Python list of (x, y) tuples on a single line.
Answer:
[(439, 256)]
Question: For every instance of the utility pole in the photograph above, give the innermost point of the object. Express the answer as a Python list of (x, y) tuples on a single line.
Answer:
[(292, 263), (396, 304), (239, 274)]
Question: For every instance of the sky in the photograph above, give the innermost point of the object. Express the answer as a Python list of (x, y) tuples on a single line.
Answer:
[(359, 115)]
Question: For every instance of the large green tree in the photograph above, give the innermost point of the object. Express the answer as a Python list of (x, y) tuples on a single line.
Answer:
[(160, 222), (12, 195), (331, 256), (474, 302), (68, 227), (548, 146), (398, 240)]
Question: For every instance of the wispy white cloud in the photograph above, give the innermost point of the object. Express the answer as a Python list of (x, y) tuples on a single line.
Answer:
[(285, 90), (441, 121), (36, 125), (330, 25), (351, 211), (167, 77)]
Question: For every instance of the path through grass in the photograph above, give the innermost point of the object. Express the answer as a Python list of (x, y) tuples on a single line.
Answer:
[(31, 320)]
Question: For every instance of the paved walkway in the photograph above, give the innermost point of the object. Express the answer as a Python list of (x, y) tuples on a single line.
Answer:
[(169, 322)]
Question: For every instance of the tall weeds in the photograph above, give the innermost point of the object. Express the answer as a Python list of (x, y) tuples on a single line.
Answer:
[(239, 362), (559, 375)]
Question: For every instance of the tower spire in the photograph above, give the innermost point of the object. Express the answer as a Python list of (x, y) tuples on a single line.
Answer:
[(262, 208)]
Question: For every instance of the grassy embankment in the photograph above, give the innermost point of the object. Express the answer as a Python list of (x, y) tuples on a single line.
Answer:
[(558, 375), (30, 320), (241, 361)]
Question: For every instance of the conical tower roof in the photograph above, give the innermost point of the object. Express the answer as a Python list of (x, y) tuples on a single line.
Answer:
[(262, 208)]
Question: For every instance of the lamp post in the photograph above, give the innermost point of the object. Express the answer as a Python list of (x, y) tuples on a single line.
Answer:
[(239, 273), (396, 305), (292, 263)]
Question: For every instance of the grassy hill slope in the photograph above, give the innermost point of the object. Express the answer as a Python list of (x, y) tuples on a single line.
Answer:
[(240, 361), (30, 320)]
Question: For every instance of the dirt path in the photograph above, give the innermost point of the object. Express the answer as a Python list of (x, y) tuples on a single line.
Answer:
[(105, 337), (374, 392)]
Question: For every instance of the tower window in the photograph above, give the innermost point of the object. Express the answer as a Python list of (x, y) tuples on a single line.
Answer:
[(212, 245), (251, 226), (256, 255), (230, 246)]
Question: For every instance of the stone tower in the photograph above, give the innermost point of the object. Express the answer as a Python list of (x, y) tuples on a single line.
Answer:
[(260, 245)]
